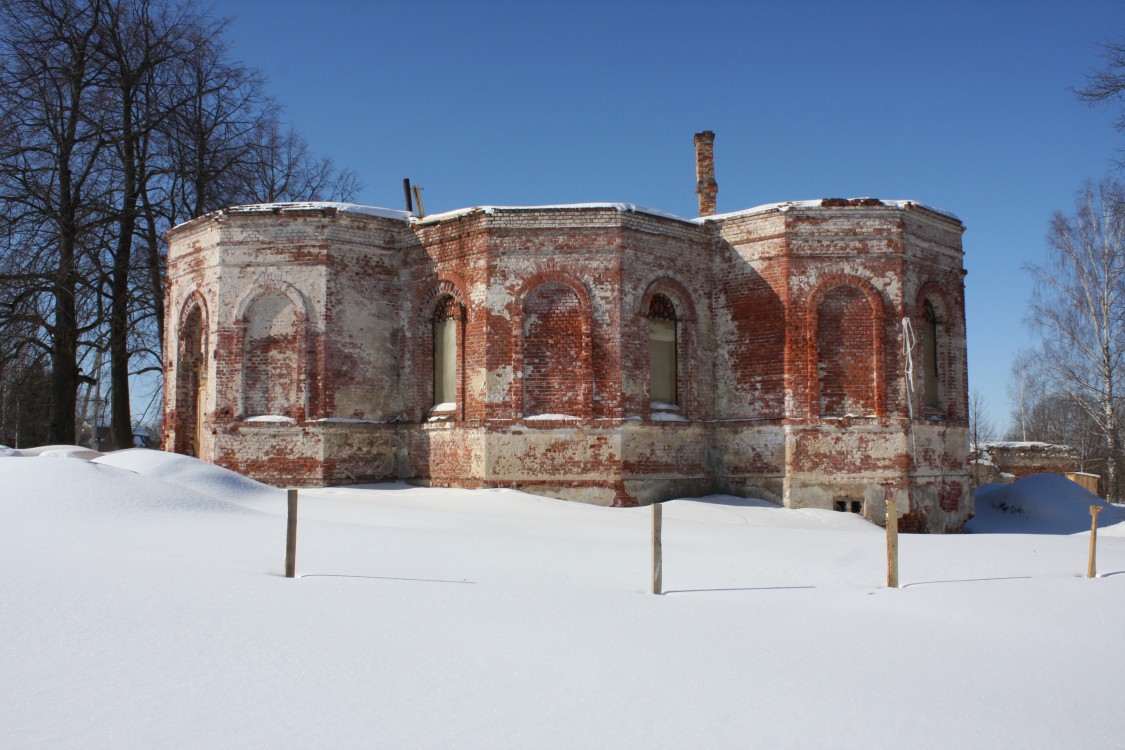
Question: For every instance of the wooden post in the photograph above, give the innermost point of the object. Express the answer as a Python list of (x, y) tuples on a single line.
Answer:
[(291, 537), (657, 548), (892, 543), (1091, 566)]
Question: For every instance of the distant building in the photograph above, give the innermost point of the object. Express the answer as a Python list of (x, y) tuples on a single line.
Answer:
[(600, 352), (1000, 462)]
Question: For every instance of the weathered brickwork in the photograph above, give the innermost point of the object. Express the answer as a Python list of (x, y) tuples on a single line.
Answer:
[(554, 378), (1022, 459), (845, 352), (310, 343)]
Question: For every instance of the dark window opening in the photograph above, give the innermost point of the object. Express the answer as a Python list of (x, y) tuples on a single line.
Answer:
[(663, 360), (930, 382)]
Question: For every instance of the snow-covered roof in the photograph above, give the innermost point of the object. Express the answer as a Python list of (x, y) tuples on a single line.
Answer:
[(390, 213), (620, 207), (350, 208), (405, 216), (819, 203)]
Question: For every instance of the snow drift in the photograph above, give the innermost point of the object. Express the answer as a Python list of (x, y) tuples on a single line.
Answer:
[(144, 607), (1039, 504)]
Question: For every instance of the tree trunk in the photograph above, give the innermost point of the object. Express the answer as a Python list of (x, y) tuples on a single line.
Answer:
[(1109, 428), (64, 344), (121, 422), (155, 267)]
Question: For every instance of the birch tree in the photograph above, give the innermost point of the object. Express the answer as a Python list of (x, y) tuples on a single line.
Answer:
[(1107, 85), (1078, 313), (1025, 389), (981, 428)]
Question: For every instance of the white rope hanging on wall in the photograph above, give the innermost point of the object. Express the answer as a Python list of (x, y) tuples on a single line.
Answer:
[(908, 342)]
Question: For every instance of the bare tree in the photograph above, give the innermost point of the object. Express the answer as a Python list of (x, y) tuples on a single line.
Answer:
[(981, 427), (1108, 84), (1039, 414), (213, 133), (1078, 312), (283, 168), (1025, 389), (24, 389), (139, 46), (119, 119), (49, 177)]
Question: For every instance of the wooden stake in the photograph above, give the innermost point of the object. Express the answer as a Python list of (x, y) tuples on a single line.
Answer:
[(657, 548), (892, 543), (1091, 566), (291, 537)]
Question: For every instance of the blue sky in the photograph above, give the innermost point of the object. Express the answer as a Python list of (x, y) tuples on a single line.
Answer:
[(964, 106)]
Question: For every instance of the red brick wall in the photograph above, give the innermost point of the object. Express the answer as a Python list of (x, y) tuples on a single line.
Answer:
[(269, 363), (552, 351), (783, 315), (752, 327), (845, 348)]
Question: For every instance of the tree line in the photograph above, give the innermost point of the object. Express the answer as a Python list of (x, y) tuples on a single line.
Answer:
[(118, 120), (1070, 388)]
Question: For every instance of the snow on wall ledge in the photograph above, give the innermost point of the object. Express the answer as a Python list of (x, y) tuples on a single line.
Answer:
[(323, 206), (330, 207), (619, 207), (785, 206)]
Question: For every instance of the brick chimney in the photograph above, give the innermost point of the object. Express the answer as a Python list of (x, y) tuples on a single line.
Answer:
[(705, 185)]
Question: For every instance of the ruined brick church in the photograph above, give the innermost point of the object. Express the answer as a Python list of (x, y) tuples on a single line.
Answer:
[(811, 353)]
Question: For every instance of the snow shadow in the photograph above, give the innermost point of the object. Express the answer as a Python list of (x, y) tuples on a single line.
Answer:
[(382, 578), (1038, 504), (966, 580), (746, 588)]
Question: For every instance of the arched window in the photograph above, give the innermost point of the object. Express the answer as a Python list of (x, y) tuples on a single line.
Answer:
[(930, 391), (270, 357), (663, 364), (845, 349), (191, 384), (553, 352), (448, 314)]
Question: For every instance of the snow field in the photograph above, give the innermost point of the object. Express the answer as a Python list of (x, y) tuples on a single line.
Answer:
[(144, 606)]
